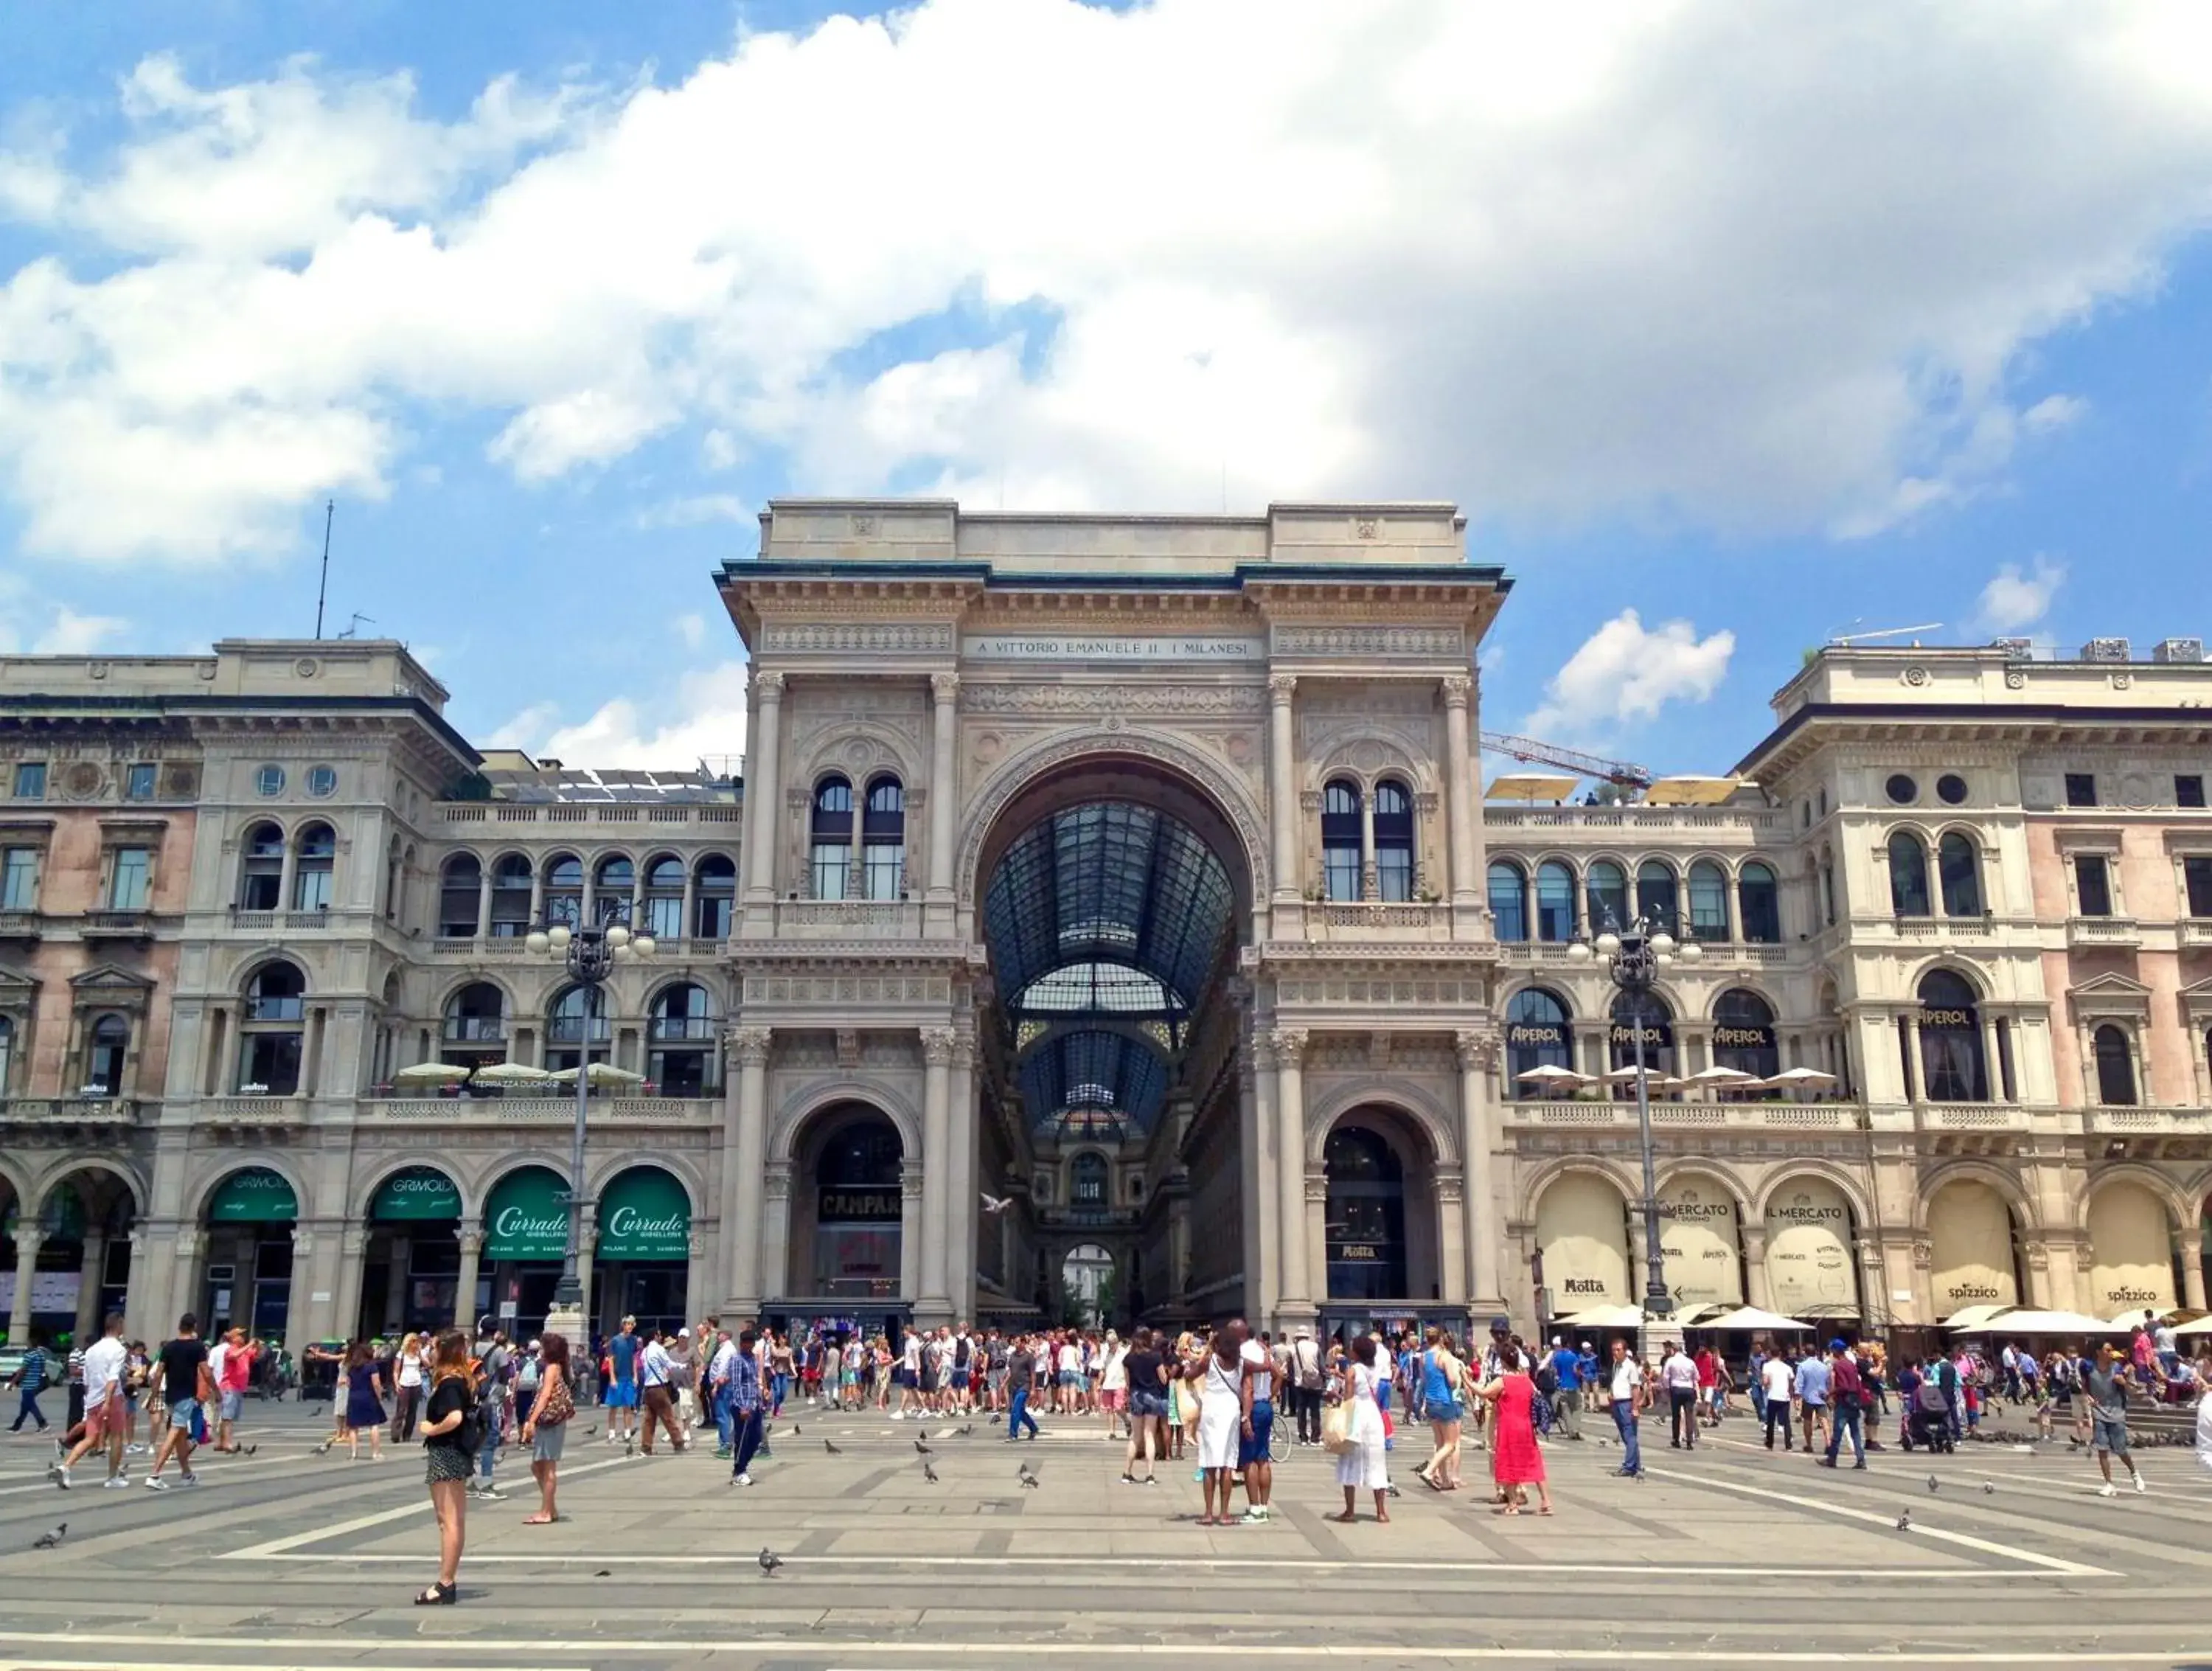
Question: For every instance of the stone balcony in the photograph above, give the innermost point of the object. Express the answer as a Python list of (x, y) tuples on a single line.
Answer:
[(460, 815), (263, 922), (537, 1111), (1615, 823), (258, 1112), (1712, 954), (52, 1112), (2149, 1133), (1666, 1116), (2102, 933), (1368, 921), (512, 949), (2193, 933)]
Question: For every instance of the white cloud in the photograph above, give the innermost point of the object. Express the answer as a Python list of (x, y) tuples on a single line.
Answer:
[(33, 625), (692, 629), (74, 634), (2013, 599), (1626, 672), (702, 719), (693, 509), (1564, 263)]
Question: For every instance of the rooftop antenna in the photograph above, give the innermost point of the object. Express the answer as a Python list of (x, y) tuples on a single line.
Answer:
[(1845, 640), (353, 627), (322, 590)]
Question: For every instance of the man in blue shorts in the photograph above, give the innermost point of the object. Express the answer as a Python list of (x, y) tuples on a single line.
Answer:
[(622, 1383)]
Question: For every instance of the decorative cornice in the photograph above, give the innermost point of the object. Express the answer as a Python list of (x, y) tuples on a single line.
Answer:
[(752, 1044), (937, 1044), (768, 684), (1127, 697)]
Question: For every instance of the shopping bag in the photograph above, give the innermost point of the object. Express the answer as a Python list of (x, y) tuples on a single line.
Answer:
[(1336, 1428)]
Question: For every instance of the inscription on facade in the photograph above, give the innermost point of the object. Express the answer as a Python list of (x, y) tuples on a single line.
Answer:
[(1021, 647)]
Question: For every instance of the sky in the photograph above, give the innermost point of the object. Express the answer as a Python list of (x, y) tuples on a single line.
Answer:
[(1730, 329)]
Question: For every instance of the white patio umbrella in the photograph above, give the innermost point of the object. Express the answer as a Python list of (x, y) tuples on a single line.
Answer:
[(1546, 1074), (2145, 1316), (2202, 1326), (2041, 1322), (1790, 1077), (1624, 1076), (603, 1074), (1758, 1321), (431, 1073), (1718, 1075), (511, 1073), (1606, 1316)]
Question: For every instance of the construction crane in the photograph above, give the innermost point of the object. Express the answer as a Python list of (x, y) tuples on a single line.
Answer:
[(1626, 773), (1846, 639)]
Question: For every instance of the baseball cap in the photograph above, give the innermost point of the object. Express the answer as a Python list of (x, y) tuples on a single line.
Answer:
[(531, 1347), (1836, 1344), (684, 1334), (1500, 1326)]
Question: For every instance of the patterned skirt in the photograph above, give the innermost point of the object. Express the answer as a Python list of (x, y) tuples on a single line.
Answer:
[(447, 1462)]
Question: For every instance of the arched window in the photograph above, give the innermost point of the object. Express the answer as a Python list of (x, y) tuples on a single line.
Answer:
[(1655, 895), (261, 873), (1087, 1180), (1394, 841), (1509, 900), (476, 1015), (1649, 1016), (1555, 901), (460, 889), (716, 884), (681, 1037), (855, 1247), (2115, 1067), (883, 839), (564, 889), (1608, 886), (577, 1022), (1759, 905), (831, 833), (662, 918), (1340, 839), (1743, 1035), (1908, 875), (510, 897), (310, 870), (1958, 865), (272, 1030), (1365, 1220), (7, 1053), (1951, 1040), (110, 1044), (1538, 1035), (612, 884), (1708, 901)]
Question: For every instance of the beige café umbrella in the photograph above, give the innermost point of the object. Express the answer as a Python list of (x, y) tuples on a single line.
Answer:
[(1756, 1321), (1548, 1074), (431, 1073), (511, 1073), (603, 1074)]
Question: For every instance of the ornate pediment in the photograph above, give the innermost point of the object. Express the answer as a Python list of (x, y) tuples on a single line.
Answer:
[(2110, 994), (110, 986)]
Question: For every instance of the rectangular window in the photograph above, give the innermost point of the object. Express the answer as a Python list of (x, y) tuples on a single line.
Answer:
[(31, 780), (886, 869), (1340, 872), (128, 882), (2189, 789), (2092, 883), (138, 781), (271, 1061), (664, 917), (19, 880), (1394, 874), (311, 891), (2195, 878), (2080, 788), (831, 866), (711, 917)]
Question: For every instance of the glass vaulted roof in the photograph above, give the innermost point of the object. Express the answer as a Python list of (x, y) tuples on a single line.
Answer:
[(1094, 1079)]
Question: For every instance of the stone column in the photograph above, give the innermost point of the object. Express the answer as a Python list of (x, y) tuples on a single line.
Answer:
[(88, 1317), (1919, 1061), (1478, 1053), (587, 1241), (937, 1170), (1282, 767), (1452, 1238), (944, 693), (775, 1230), (136, 1300), (1264, 1279), (465, 1287), (1459, 795), (483, 903), (744, 1142), (298, 1306), (2192, 1269), (1756, 1289), (910, 1184), (27, 1242), (760, 830), (1369, 884), (1289, 1046), (963, 1191)]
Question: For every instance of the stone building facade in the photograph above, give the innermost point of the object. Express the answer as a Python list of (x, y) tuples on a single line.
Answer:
[(1109, 912)]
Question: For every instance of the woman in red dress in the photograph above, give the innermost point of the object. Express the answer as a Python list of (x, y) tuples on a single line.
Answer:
[(1514, 1457)]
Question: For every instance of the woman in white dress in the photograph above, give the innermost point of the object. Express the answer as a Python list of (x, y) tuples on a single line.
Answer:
[(1220, 1417), (1363, 1463)]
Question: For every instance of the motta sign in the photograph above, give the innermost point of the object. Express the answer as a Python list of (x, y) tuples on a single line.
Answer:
[(1584, 1285), (1013, 647)]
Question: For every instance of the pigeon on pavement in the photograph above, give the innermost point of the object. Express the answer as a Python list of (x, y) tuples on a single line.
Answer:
[(1904, 1521), (1933, 1485), (831, 1448), (928, 1473), (770, 1560), (52, 1539), (920, 1448), (1988, 1488), (322, 1449)]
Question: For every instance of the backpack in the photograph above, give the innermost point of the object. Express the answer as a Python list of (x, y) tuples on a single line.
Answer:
[(527, 1379), (1547, 1377)]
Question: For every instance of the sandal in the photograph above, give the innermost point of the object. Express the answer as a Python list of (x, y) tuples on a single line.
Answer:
[(539, 1520), (438, 1595)]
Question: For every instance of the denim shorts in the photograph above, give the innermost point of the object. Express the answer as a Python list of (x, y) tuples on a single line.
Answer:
[(182, 1412), (1147, 1404)]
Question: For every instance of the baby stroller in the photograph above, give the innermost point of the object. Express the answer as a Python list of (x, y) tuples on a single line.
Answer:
[(1928, 1422)]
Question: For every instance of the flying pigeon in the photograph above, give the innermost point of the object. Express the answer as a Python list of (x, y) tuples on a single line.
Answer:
[(1933, 1485), (1030, 1483), (994, 1204), (1904, 1521), (52, 1539), (920, 1448), (770, 1560), (831, 1448), (928, 1473)]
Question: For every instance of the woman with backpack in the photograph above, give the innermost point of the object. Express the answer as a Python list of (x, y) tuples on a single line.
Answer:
[(451, 1433)]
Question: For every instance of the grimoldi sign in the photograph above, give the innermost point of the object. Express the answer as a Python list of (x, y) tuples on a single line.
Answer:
[(1049, 647)]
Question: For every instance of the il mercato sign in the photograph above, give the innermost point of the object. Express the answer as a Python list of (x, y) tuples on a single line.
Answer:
[(1015, 646)]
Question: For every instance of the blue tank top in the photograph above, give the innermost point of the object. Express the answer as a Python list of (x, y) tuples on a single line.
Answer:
[(1435, 1387)]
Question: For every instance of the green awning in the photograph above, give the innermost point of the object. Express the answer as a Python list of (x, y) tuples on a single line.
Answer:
[(254, 1196), (420, 1192), (645, 1214), (527, 1216)]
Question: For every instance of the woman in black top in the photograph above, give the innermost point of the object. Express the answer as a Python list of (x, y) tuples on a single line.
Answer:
[(1148, 1407), (445, 1424)]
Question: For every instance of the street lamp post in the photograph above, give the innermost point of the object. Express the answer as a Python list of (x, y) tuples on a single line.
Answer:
[(1634, 959), (590, 954)]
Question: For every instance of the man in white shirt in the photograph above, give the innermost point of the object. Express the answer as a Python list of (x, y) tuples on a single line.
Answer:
[(910, 1376), (656, 1369), (1779, 1380), (106, 1422), (721, 1370), (1678, 1372), (1623, 1381)]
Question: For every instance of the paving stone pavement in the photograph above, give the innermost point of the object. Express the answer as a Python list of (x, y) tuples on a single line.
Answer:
[(1726, 1556)]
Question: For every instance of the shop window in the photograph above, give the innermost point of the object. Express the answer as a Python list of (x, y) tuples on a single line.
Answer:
[(2115, 1067), (19, 879), (1538, 1035), (1646, 1015), (310, 870), (1655, 895), (1708, 901), (510, 897), (2092, 884), (1958, 863), (1759, 904), (1366, 1217), (1339, 840), (1606, 884), (130, 879), (1951, 1040), (1555, 901), (109, 1044), (1908, 875), (459, 888), (1509, 901), (1394, 841), (716, 884), (832, 838), (883, 840)]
